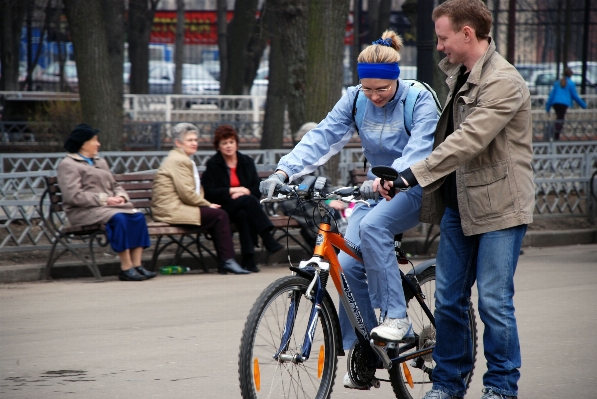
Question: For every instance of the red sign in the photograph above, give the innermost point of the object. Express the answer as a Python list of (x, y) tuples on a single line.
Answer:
[(201, 27)]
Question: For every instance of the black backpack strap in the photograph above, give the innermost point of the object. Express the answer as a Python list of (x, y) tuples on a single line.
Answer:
[(354, 113), (354, 110)]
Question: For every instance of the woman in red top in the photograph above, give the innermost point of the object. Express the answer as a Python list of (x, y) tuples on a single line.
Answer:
[(230, 179)]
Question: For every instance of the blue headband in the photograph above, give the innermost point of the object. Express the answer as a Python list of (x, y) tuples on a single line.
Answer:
[(389, 70)]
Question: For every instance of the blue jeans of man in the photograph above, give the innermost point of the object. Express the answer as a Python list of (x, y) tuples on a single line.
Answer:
[(490, 259), (377, 282)]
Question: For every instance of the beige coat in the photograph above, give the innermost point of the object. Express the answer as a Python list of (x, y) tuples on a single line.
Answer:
[(174, 198), (86, 188), (490, 149)]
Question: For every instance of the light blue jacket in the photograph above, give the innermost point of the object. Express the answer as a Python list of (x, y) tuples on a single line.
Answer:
[(383, 137), (563, 95)]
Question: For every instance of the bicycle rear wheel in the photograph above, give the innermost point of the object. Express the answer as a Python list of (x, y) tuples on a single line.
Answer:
[(262, 376), (420, 374)]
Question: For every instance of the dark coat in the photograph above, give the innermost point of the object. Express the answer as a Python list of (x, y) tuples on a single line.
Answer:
[(216, 178)]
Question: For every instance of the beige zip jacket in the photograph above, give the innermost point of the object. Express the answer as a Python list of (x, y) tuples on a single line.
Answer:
[(490, 149), (174, 199)]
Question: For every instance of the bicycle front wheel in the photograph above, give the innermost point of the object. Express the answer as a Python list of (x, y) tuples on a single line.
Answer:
[(260, 374), (414, 380)]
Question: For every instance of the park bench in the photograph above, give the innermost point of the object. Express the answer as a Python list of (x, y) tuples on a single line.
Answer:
[(139, 188)]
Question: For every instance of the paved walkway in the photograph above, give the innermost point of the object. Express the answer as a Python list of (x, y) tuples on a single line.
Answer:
[(178, 336)]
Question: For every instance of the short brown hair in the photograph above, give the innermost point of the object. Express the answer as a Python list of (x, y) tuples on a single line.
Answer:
[(224, 132), (473, 13)]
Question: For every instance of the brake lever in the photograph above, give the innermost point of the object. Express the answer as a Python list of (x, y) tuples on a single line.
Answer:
[(351, 199), (285, 192)]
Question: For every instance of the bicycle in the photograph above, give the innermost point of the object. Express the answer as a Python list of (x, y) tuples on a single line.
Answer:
[(280, 333)]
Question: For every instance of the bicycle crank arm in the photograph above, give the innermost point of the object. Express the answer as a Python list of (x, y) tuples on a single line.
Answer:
[(413, 355), (383, 355)]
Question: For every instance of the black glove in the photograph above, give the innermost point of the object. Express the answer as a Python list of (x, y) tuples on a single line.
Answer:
[(407, 174)]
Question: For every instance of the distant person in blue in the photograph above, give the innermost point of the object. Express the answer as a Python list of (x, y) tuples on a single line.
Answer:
[(385, 141), (560, 98)]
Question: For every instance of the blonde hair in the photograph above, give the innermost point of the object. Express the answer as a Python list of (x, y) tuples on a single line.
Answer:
[(380, 54)]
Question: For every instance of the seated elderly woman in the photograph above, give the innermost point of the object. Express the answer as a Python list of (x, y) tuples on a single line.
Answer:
[(178, 197), (91, 195), (230, 179)]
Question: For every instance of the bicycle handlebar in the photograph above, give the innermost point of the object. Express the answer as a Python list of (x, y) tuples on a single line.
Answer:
[(344, 194)]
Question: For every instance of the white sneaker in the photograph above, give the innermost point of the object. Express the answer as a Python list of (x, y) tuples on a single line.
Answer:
[(348, 382), (393, 330)]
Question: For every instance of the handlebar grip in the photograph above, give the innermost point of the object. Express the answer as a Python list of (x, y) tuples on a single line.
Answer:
[(391, 191), (285, 189)]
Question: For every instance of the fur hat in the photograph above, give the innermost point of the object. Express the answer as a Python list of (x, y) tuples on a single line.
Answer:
[(80, 134)]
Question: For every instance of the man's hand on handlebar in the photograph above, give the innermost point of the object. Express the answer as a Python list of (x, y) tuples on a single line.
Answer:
[(388, 189)]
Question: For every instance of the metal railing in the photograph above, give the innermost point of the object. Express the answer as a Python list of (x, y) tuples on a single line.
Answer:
[(563, 174), (149, 119)]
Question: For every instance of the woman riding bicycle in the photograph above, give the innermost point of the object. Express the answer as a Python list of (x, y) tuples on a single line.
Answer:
[(385, 141)]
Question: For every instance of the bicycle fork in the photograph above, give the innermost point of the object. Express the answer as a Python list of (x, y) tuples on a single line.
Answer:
[(291, 317)]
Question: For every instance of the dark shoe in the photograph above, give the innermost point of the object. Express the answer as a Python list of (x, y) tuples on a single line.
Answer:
[(130, 275), (231, 266), (144, 272), (248, 263), (269, 242)]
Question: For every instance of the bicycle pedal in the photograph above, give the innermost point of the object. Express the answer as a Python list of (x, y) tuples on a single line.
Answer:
[(385, 344)]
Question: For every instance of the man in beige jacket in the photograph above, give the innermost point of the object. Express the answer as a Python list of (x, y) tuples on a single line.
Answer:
[(478, 185)]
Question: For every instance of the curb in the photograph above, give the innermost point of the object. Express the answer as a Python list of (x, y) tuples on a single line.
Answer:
[(74, 269)]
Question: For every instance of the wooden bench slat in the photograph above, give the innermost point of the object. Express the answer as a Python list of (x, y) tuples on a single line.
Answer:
[(123, 177), (139, 194), (141, 186)]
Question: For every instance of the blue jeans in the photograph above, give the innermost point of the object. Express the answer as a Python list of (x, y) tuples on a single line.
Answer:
[(489, 259), (377, 283)]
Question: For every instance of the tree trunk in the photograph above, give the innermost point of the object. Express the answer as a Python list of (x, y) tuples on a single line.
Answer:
[(257, 44), (294, 15), (379, 18), (100, 103), (179, 47), (510, 54), (114, 13), (223, 42), (140, 21), (238, 40), (275, 107), (327, 19), (12, 15)]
